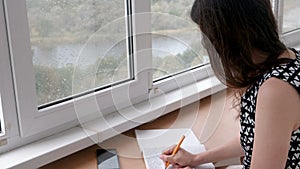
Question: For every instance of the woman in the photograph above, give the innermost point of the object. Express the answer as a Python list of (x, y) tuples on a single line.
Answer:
[(245, 51)]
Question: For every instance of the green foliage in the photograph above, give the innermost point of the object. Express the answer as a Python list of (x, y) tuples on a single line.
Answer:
[(70, 19), (111, 69), (169, 64), (44, 27), (187, 57), (53, 83)]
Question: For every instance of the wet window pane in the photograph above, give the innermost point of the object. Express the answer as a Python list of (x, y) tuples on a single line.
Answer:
[(77, 45)]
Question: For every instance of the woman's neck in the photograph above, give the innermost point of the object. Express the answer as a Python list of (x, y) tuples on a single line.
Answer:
[(289, 54), (259, 57)]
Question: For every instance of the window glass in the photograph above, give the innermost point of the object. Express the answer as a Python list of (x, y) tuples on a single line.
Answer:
[(176, 40), (74, 36), (291, 15)]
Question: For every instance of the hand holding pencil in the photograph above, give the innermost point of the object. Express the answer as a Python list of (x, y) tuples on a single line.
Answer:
[(177, 156), (176, 149)]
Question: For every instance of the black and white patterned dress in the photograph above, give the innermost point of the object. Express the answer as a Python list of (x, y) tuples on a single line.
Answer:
[(289, 72)]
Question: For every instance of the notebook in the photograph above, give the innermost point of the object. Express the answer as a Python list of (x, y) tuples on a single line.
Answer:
[(153, 142)]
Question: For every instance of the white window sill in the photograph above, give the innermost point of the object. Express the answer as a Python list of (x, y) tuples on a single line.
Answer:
[(60, 145)]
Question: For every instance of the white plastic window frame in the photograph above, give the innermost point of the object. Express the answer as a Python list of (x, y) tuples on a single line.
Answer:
[(8, 106), (33, 121), (291, 38)]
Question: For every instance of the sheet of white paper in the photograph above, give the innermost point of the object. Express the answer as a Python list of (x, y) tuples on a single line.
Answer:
[(153, 142), (151, 158)]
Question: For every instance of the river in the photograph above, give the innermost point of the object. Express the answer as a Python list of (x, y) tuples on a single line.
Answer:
[(71, 54)]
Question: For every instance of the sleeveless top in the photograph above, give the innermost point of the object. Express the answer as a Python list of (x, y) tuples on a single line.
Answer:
[(289, 72)]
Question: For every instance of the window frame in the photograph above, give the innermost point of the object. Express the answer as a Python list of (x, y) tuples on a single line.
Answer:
[(9, 121), (33, 121), (10, 118)]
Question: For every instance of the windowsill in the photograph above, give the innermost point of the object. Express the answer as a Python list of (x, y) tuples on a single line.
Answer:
[(60, 145)]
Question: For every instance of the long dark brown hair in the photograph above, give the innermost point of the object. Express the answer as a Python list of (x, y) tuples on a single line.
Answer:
[(233, 30)]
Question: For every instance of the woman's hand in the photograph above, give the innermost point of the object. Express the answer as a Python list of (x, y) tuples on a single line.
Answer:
[(181, 160)]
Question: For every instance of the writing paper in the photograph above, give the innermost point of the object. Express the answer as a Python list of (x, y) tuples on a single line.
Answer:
[(153, 142)]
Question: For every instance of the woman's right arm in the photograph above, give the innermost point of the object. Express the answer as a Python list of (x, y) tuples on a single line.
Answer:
[(228, 150)]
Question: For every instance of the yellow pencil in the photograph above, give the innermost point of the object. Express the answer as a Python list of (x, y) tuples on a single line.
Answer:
[(176, 149)]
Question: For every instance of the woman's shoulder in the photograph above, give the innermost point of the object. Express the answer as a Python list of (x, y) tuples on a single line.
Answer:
[(288, 72), (279, 96)]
